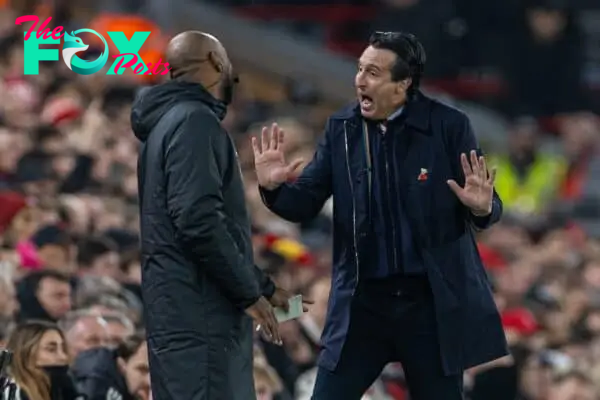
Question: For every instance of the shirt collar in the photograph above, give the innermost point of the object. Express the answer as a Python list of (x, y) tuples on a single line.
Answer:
[(396, 113)]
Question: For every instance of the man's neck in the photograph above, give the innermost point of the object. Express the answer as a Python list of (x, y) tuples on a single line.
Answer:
[(396, 113)]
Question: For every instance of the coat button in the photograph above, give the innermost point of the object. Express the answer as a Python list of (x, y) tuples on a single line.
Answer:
[(362, 235)]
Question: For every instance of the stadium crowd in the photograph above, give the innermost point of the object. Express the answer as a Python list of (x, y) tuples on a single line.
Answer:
[(70, 304)]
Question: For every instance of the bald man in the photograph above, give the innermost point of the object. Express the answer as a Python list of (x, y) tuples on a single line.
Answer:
[(200, 286)]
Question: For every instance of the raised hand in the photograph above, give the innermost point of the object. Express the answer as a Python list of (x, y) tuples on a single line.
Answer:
[(478, 192), (269, 160)]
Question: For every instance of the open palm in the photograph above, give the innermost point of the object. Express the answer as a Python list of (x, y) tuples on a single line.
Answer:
[(269, 159), (478, 191)]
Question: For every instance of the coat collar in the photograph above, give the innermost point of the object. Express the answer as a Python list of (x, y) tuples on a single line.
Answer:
[(417, 113)]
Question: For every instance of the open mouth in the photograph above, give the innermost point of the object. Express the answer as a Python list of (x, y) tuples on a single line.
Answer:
[(366, 102)]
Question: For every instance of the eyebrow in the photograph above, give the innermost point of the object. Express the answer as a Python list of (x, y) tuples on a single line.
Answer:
[(369, 65)]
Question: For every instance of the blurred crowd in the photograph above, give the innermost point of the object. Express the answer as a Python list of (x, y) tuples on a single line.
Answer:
[(70, 304)]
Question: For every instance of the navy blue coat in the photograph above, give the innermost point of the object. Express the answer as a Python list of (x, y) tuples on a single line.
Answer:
[(469, 327)]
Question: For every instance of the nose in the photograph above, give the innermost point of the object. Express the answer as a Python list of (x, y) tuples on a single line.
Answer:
[(359, 81), (62, 357)]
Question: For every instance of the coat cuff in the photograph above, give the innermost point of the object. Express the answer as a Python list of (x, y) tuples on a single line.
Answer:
[(268, 290), (486, 221), (269, 196)]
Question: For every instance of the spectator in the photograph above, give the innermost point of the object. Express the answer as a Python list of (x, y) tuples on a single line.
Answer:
[(84, 330), (44, 295), (572, 386), (53, 246), (101, 373), (118, 328), (528, 179), (39, 367), (98, 256), (8, 301)]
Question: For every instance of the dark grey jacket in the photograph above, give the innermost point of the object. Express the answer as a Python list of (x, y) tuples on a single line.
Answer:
[(198, 274)]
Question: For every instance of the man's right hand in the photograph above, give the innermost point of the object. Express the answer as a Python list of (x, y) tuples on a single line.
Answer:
[(262, 313), (269, 160)]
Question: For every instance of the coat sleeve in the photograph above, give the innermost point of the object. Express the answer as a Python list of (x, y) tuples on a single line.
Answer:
[(465, 143), (304, 198), (265, 283), (195, 204)]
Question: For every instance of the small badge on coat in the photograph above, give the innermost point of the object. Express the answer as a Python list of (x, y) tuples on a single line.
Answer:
[(424, 175)]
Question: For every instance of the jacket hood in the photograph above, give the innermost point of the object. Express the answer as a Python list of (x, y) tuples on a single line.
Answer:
[(153, 102)]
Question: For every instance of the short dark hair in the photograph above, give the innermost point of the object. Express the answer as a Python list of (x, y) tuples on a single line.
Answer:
[(410, 52), (89, 249), (131, 345)]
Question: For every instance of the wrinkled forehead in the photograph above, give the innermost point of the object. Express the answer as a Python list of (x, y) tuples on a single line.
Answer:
[(377, 58)]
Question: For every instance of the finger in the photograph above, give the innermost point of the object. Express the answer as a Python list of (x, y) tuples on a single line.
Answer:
[(483, 169), (280, 139), (264, 145), (294, 165), (255, 147), (308, 301), (474, 162), (274, 137), (273, 328), (492, 179), (467, 170), (455, 188)]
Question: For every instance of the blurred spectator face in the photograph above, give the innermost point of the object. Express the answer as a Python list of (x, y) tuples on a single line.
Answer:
[(52, 350), (523, 138), (12, 146), (546, 24), (572, 389), (580, 133), (87, 333), (8, 299), (265, 388), (378, 95), (137, 372), (116, 330), (591, 274), (54, 296), (535, 378), (25, 223), (107, 264), (55, 257), (592, 322), (63, 165)]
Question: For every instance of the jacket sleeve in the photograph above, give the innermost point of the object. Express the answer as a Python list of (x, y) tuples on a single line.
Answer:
[(304, 198), (195, 204), (465, 142), (265, 283)]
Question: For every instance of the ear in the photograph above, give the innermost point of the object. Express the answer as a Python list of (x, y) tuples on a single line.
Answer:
[(404, 84), (215, 61)]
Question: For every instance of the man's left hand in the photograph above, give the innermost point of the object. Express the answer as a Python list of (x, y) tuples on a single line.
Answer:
[(281, 299), (478, 192)]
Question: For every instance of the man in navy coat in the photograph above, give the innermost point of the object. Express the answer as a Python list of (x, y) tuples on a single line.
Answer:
[(410, 187)]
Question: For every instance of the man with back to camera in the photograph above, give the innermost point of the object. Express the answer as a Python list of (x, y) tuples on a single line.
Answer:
[(198, 276), (409, 187)]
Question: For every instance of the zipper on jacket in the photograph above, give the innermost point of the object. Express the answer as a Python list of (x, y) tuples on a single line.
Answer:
[(353, 207), (389, 202)]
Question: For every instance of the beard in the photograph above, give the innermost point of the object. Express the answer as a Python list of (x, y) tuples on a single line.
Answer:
[(228, 88)]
